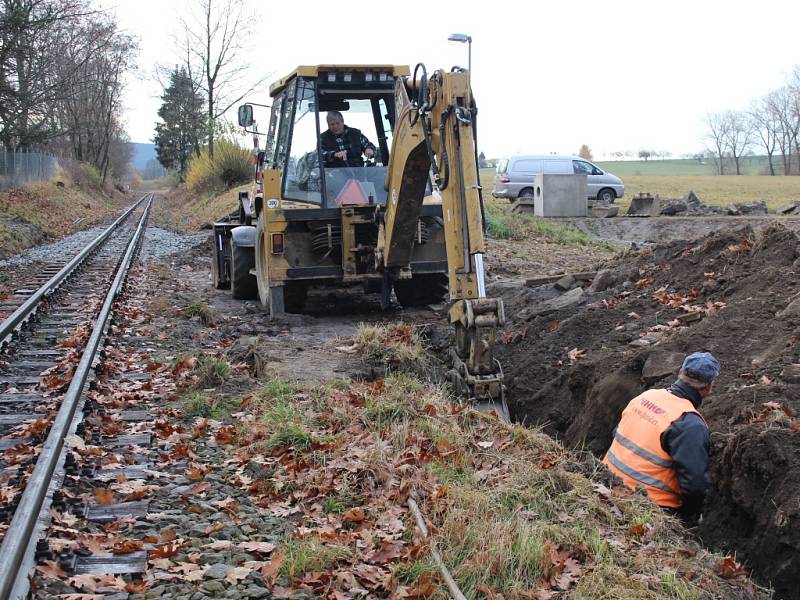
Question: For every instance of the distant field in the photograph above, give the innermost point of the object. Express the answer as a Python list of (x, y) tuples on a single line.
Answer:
[(711, 189), (751, 165)]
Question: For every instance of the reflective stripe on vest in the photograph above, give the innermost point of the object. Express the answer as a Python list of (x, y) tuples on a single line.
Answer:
[(636, 455)]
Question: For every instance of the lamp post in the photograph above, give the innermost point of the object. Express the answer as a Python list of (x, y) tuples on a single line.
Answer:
[(461, 38)]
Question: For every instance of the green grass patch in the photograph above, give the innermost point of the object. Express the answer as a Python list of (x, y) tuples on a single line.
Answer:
[(306, 556), (283, 425), (201, 310), (212, 371), (505, 225), (201, 405)]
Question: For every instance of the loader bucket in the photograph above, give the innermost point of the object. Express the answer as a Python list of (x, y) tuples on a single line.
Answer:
[(644, 205)]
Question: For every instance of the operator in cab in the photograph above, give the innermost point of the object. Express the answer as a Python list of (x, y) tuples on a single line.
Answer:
[(342, 146), (662, 442)]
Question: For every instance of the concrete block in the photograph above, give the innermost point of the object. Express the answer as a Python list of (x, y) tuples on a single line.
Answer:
[(560, 195)]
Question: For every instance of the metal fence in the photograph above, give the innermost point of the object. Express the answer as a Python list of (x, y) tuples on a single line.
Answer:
[(17, 168)]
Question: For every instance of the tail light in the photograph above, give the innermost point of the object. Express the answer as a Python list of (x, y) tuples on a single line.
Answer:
[(504, 179), (277, 243)]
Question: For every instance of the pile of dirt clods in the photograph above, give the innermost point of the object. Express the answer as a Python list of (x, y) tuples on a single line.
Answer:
[(577, 353)]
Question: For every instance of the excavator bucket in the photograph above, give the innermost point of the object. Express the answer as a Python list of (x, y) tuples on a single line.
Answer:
[(644, 205)]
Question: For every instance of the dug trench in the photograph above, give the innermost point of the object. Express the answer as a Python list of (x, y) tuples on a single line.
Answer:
[(576, 351)]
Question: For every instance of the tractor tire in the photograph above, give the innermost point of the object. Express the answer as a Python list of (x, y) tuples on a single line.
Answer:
[(421, 290), (243, 283)]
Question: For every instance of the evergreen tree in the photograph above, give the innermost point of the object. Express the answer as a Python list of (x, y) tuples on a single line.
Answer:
[(183, 130)]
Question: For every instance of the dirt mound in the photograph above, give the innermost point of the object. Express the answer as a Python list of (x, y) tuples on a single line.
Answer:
[(576, 357)]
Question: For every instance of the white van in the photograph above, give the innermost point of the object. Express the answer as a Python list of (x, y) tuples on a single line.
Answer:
[(515, 176)]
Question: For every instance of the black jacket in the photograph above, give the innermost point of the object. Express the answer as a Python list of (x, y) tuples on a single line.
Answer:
[(688, 442), (351, 140)]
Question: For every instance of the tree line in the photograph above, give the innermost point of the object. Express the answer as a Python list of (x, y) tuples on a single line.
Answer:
[(62, 69), (772, 124), (206, 81)]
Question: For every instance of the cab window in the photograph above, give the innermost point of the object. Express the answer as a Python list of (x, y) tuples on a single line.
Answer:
[(303, 178), (353, 185)]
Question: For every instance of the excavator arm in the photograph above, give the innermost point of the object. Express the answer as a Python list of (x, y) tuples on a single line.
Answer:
[(435, 136)]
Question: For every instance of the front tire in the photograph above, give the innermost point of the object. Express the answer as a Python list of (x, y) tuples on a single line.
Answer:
[(606, 197), (261, 263), (421, 290), (243, 283)]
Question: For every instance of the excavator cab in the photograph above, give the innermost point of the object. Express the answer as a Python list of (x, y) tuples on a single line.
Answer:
[(365, 99)]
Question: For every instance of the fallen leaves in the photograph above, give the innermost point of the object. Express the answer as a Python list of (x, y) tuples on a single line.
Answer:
[(729, 568)]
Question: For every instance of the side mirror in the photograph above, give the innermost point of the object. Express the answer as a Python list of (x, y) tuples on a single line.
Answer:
[(245, 115)]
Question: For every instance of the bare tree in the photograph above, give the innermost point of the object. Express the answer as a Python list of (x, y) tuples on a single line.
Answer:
[(585, 152), (780, 102), (32, 33), (738, 136), (717, 123), (794, 113), (216, 35), (766, 125), (89, 113)]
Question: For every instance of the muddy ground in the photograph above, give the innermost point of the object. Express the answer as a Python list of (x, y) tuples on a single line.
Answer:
[(573, 367), (736, 294), (739, 289)]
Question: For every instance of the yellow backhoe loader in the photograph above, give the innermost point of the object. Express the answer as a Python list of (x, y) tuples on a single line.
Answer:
[(409, 220)]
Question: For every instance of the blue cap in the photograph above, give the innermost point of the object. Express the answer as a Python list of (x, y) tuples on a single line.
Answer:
[(701, 366)]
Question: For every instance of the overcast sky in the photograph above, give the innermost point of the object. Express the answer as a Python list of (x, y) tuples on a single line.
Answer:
[(547, 76)]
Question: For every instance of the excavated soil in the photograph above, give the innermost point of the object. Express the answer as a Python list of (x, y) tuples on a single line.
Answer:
[(573, 369)]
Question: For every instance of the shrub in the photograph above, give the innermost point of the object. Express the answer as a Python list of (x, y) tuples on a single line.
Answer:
[(230, 166)]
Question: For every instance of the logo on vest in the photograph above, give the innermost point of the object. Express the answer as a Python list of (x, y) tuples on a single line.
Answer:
[(653, 407)]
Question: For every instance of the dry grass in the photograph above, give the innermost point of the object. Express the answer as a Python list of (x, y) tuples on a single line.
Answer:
[(394, 347), (511, 511), (718, 190)]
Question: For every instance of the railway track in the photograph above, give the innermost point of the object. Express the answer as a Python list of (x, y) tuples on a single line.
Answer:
[(52, 336)]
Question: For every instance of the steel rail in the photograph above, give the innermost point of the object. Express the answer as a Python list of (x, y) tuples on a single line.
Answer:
[(17, 537), (19, 316)]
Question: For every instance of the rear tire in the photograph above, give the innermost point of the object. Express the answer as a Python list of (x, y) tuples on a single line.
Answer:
[(243, 283), (526, 192), (215, 278), (421, 290)]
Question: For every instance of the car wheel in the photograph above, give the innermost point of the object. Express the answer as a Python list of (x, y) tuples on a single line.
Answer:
[(606, 196), (526, 192)]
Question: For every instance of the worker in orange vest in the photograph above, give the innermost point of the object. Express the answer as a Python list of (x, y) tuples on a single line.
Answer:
[(661, 443)]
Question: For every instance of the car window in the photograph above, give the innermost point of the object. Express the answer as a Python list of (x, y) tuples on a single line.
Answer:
[(528, 166), (502, 166), (558, 166), (581, 167)]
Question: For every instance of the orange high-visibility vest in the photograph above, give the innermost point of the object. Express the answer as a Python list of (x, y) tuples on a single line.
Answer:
[(636, 455)]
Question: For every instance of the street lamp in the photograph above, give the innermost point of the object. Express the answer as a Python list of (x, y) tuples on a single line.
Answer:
[(461, 38)]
